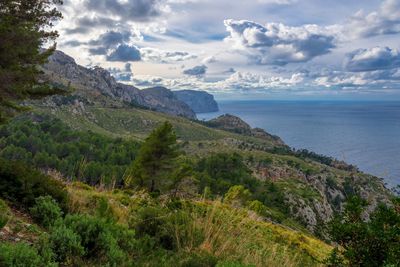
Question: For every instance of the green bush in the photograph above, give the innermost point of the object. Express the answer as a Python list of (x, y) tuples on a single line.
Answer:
[(46, 211), (19, 255), (150, 221), (4, 214), (21, 184), (102, 240), (65, 243)]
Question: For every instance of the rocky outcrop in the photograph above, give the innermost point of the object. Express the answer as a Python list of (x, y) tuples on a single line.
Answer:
[(235, 124), (198, 101), (96, 82)]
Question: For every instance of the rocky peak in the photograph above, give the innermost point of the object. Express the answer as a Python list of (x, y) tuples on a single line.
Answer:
[(92, 82), (198, 101)]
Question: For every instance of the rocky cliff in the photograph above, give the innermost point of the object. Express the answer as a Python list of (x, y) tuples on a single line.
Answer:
[(235, 124), (95, 83), (198, 101)]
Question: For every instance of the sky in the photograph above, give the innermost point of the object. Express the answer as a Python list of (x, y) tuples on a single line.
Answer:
[(253, 49)]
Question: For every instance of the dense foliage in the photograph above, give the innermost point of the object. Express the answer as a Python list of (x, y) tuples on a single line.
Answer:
[(25, 26), (22, 185), (47, 143), (221, 171), (373, 242)]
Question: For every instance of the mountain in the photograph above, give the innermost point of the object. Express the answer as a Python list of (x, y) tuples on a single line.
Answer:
[(95, 83), (299, 185), (198, 101)]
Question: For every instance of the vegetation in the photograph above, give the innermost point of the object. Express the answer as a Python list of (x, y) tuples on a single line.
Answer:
[(46, 211), (4, 214), (50, 144), (25, 26), (21, 185), (373, 242), (156, 159)]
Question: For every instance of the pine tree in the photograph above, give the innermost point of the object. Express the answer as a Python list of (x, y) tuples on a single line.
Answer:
[(25, 27), (156, 159)]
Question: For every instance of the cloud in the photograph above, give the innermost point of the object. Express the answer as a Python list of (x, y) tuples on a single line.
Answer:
[(209, 60), (161, 56), (230, 70), (132, 10), (277, 2), (196, 71), (111, 38), (386, 20), (124, 53), (278, 44), (376, 58), (123, 75)]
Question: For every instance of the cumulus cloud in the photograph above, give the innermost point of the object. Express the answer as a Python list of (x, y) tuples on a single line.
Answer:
[(196, 71), (123, 75), (376, 58), (209, 60), (124, 53), (386, 20), (278, 44), (161, 56)]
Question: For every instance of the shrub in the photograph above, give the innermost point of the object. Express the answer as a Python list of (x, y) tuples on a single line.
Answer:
[(22, 184), (65, 243), (101, 239), (19, 254), (237, 195), (4, 214), (46, 211), (151, 221)]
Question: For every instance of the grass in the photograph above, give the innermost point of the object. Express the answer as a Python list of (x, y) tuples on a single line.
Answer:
[(229, 233)]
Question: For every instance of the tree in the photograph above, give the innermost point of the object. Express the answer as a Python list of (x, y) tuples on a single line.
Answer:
[(156, 159), (25, 27), (373, 242)]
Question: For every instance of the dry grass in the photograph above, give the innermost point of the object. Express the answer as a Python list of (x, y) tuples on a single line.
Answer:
[(227, 233)]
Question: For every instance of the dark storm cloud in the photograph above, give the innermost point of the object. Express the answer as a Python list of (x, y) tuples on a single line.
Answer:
[(376, 58), (124, 53), (111, 38), (196, 71)]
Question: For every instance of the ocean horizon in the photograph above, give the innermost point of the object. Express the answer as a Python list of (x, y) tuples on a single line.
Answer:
[(362, 133)]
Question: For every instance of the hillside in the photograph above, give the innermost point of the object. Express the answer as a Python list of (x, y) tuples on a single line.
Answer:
[(206, 237)]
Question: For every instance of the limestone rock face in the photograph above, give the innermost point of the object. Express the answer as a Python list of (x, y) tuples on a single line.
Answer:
[(198, 101), (93, 82), (165, 100)]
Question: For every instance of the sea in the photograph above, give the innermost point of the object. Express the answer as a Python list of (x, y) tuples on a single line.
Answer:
[(365, 134)]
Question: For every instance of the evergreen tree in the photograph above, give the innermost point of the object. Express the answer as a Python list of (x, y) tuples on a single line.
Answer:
[(373, 242), (156, 159), (25, 27)]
